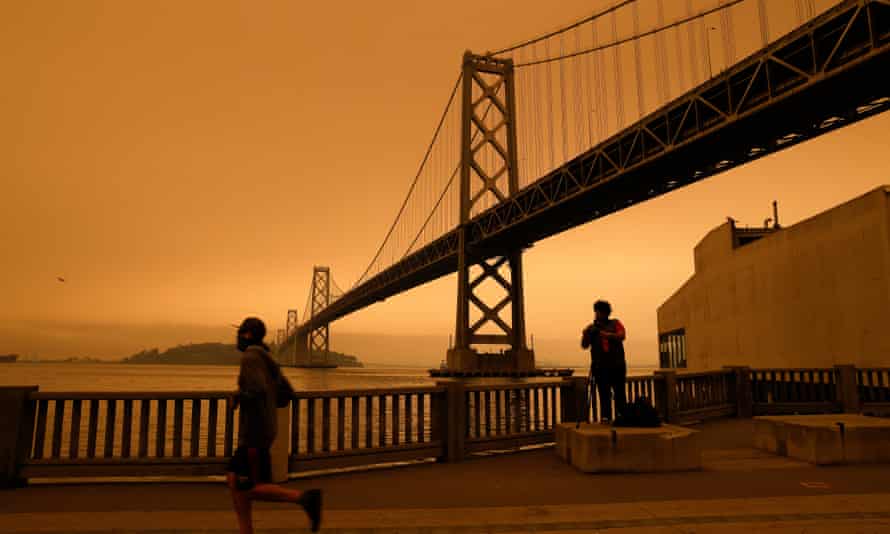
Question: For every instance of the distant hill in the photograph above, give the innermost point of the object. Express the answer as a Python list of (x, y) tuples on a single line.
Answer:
[(213, 354)]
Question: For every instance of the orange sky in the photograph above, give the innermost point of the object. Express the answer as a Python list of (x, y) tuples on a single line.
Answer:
[(188, 163)]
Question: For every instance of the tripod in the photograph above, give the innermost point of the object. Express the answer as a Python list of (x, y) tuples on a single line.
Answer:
[(590, 392)]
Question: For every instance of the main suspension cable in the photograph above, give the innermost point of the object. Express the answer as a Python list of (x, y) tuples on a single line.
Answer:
[(414, 183), (647, 33)]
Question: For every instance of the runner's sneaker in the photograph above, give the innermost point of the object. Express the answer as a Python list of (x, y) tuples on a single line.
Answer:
[(311, 503)]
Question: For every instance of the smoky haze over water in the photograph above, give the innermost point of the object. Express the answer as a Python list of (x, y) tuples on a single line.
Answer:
[(113, 342), (185, 165)]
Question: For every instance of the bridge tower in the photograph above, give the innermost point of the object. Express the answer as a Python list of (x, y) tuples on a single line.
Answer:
[(488, 170), (319, 338), (291, 356)]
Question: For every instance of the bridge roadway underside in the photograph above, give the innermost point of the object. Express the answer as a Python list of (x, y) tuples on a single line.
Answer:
[(597, 183)]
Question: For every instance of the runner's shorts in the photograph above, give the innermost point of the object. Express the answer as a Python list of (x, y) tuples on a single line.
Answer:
[(240, 465)]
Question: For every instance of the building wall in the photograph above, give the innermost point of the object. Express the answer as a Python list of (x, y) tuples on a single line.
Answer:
[(814, 294)]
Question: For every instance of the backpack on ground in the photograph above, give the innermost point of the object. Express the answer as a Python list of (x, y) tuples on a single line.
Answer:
[(639, 413)]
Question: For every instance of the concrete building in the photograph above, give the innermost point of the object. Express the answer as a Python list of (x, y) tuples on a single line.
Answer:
[(814, 294)]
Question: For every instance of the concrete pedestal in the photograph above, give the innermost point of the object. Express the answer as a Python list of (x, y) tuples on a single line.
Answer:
[(825, 439), (596, 448)]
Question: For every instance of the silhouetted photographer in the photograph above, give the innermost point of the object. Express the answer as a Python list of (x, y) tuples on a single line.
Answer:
[(605, 339)]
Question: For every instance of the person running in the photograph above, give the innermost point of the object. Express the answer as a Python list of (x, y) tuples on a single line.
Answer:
[(605, 338), (249, 473)]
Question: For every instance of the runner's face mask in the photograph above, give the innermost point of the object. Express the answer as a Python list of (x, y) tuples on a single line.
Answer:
[(243, 342)]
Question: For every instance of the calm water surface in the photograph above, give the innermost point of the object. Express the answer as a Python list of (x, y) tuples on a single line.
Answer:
[(138, 377), (133, 377)]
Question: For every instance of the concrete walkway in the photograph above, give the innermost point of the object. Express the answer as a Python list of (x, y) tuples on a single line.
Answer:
[(740, 490)]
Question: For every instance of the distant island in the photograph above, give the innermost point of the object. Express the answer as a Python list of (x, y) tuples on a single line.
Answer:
[(214, 354)]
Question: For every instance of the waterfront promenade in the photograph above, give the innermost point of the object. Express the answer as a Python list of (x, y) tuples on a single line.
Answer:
[(739, 490)]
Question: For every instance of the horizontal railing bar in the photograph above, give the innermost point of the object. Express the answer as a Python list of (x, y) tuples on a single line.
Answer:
[(516, 387), (790, 369), (129, 395), (334, 393), (513, 442), (209, 467), (700, 374), (175, 395), (516, 435), (385, 456), (148, 460), (431, 445)]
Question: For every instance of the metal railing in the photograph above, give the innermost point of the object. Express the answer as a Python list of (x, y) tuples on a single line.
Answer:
[(330, 429), (501, 416), (157, 433), (805, 390), (873, 389), (65, 434)]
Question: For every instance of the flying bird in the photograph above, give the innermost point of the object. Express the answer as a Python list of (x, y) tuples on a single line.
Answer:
[(60, 279)]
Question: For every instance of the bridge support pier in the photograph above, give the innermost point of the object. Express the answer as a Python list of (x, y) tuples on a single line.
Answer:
[(489, 174)]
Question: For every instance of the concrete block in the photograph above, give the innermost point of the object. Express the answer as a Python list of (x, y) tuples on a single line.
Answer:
[(825, 439), (595, 448), (563, 450)]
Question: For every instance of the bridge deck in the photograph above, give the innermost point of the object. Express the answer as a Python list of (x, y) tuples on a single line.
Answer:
[(508, 492)]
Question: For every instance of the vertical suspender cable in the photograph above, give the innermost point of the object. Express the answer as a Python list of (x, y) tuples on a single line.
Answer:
[(681, 69), (579, 102), (693, 61), (603, 95), (597, 84), (521, 108), (537, 127), (728, 36), (638, 59), (706, 49), (549, 99), (591, 102), (661, 57), (764, 22), (619, 100), (564, 129)]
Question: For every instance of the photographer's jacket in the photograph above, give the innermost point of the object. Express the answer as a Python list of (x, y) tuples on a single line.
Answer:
[(604, 352), (256, 391)]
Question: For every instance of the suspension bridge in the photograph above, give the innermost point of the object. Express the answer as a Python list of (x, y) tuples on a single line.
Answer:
[(634, 101)]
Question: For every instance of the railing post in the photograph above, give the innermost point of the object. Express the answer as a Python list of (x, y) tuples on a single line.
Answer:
[(847, 388), (450, 420), (744, 395), (573, 400), (16, 430), (666, 393), (278, 451)]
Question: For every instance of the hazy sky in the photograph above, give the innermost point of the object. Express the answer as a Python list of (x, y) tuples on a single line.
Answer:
[(187, 163)]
